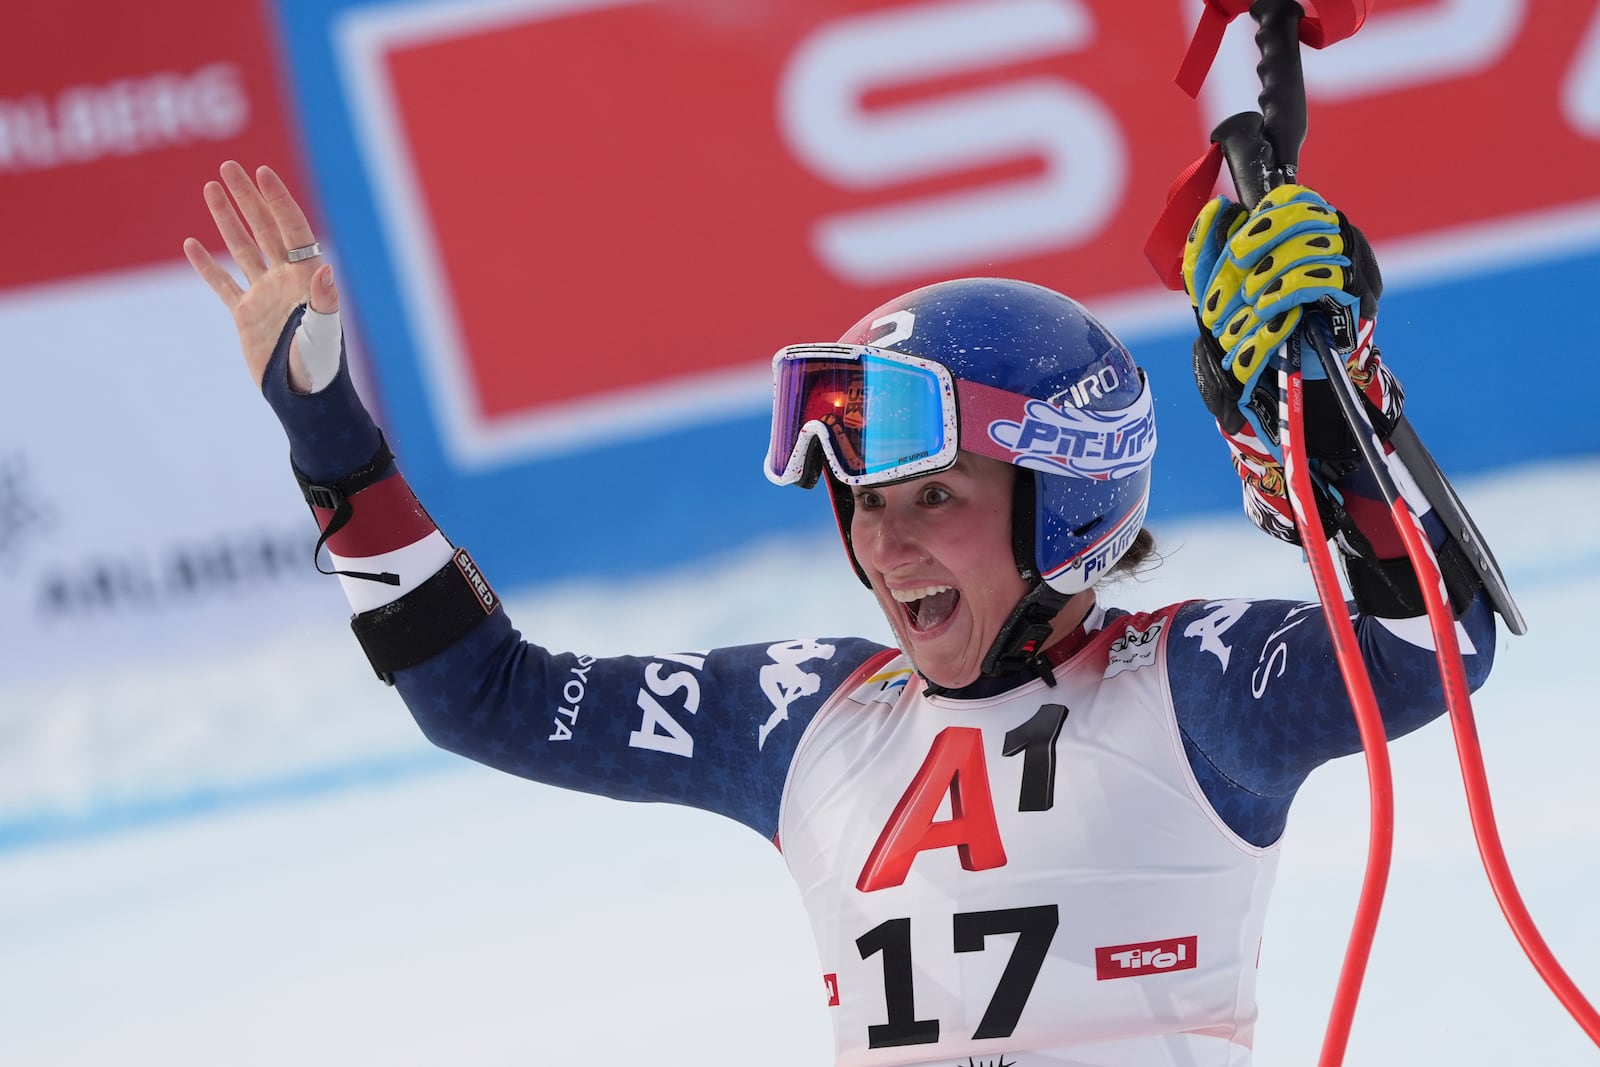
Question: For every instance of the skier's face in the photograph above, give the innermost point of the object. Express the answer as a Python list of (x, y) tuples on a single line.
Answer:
[(937, 550)]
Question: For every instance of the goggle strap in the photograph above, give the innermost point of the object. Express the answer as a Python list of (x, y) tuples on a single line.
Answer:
[(981, 406)]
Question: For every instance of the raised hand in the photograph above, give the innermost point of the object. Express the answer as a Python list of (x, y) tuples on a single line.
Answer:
[(1250, 275), (260, 241)]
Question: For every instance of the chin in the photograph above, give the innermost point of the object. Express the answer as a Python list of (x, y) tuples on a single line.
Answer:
[(937, 669), (940, 672)]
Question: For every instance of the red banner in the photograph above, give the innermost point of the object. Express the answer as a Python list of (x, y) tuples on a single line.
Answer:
[(683, 182), (112, 116), (690, 188), (1444, 113)]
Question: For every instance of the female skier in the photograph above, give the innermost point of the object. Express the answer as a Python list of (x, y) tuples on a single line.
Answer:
[(1041, 831)]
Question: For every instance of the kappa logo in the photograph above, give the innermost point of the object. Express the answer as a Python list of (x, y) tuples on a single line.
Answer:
[(1134, 649), (1149, 957), (784, 681), (1219, 619)]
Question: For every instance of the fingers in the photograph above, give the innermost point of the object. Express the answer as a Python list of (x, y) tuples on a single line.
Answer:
[(241, 246), (220, 281), (292, 227), (254, 206), (324, 296), (1276, 220), (1251, 340)]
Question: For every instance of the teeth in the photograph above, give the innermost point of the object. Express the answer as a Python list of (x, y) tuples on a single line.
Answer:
[(907, 596)]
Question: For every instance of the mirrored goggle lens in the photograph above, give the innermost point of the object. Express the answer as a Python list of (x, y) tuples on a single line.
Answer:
[(878, 415)]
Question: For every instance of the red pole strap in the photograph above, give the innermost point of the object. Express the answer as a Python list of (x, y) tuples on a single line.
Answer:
[(1325, 22), (1190, 192)]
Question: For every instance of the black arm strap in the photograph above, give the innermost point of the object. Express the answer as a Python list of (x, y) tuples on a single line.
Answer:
[(1388, 588), (336, 498), (426, 621)]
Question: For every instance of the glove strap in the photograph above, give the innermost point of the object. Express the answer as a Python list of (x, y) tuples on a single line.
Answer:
[(336, 496)]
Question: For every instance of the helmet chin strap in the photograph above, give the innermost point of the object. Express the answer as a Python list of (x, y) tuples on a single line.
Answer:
[(1023, 637), (1021, 642)]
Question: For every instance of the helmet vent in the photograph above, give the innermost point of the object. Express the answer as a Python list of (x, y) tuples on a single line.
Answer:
[(1082, 531)]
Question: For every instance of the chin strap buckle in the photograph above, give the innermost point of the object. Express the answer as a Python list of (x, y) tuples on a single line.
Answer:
[(1021, 642)]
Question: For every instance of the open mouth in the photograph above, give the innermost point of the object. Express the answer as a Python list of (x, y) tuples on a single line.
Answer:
[(927, 607)]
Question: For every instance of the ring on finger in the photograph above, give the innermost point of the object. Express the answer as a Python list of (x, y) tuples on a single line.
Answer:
[(310, 251)]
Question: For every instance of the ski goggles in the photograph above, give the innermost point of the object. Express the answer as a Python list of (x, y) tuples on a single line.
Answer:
[(881, 416)]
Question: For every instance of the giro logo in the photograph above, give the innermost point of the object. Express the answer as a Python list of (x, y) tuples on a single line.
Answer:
[(1098, 383), (1148, 957)]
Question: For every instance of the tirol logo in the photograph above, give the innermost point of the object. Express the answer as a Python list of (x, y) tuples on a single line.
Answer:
[(1148, 957), (1081, 442)]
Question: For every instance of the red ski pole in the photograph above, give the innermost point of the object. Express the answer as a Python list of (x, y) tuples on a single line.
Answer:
[(1262, 152)]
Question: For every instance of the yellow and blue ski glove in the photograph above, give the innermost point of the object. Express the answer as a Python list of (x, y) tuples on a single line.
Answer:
[(1250, 276)]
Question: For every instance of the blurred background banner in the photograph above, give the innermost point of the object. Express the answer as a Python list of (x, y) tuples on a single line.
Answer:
[(142, 512), (109, 118), (576, 230), (571, 234)]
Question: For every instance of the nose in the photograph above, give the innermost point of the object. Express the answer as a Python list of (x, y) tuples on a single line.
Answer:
[(886, 538)]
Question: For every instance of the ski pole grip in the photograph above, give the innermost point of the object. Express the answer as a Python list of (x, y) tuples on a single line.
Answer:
[(1263, 148), (1251, 162), (1283, 86)]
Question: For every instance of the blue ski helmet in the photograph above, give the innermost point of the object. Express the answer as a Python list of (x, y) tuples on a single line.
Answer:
[(1079, 420)]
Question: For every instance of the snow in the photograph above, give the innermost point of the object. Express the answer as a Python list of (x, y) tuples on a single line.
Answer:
[(260, 861)]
